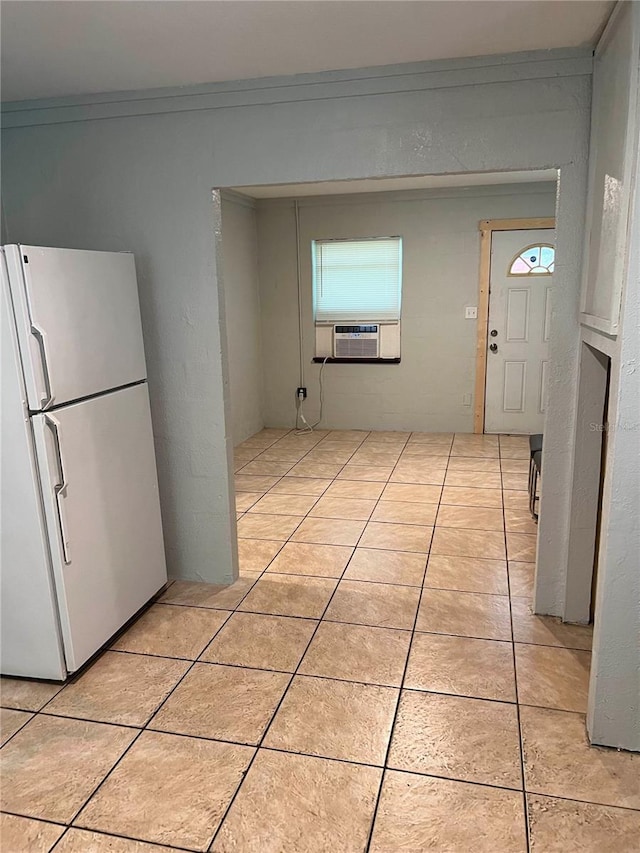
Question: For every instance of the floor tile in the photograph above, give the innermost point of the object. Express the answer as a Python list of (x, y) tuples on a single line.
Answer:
[(85, 841), (357, 653), (168, 789), (267, 469), (466, 614), (301, 486), (415, 450), (245, 500), (334, 719), (285, 504), (399, 567), (419, 813), (521, 547), (260, 641), (301, 558), (472, 740), (405, 512), (397, 537), (12, 721), (514, 466), (472, 479), (359, 509), (461, 666), (515, 481), (459, 496), (552, 677), (323, 470), (467, 574), (370, 455), (289, 595), (332, 451), (474, 463), (444, 438), (581, 827), (515, 499), (296, 803), (175, 632), (21, 835), (470, 517), (254, 555), (329, 531), (376, 604), (388, 437), (412, 472), (521, 579), (547, 630), (207, 594), (412, 493), (53, 765), (267, 526), (251, 483), (120, 688), (25, 695), (371, 473), (280, 453), (353, 435), (355, 489), (560, 762), (451, 542), (223, 703)]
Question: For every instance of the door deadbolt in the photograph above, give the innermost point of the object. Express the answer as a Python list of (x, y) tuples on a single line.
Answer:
[(493, 347), (494, 333)]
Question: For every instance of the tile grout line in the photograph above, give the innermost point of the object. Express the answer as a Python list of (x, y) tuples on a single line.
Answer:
[(527, 828), (279, 704), (394, 720)]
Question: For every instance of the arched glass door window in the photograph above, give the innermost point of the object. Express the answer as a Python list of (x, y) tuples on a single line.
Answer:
[(534, 260)]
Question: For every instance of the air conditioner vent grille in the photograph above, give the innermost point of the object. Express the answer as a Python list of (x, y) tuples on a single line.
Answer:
[(356, 341)]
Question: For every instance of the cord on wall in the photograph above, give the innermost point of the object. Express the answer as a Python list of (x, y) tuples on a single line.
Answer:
[(296, 209), (300, 414)]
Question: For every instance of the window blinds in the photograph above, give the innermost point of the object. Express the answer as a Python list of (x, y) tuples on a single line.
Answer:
[(357, 280)]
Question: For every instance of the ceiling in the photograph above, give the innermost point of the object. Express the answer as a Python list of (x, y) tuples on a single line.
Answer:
[(64, 47), (410, 182)]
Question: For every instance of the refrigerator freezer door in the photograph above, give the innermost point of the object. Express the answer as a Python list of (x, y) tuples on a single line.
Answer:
[(100, 491), (78, 320), (30, 641)]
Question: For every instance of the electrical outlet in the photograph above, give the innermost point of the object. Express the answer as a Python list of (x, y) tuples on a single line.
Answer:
[(471, 312), (301, 393)]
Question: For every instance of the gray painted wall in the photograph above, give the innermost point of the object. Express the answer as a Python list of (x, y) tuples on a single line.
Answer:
[(135, 171), (441, 243), (242, 300), (614, 695)]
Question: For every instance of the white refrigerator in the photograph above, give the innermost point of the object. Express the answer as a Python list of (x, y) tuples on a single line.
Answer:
[(81, 544)]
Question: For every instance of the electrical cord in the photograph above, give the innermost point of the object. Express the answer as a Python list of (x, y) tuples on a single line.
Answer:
[(300, 414)]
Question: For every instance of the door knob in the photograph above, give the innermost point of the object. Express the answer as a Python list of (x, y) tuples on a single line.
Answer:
[(493, 347)]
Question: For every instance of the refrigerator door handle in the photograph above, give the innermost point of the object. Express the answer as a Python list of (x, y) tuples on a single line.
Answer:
[(39, 335), (60, 489)]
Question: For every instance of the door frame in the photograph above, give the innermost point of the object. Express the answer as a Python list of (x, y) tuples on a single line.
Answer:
[(486, 228)]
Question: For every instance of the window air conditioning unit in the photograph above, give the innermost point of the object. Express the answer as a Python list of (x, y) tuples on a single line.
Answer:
[(356, 341)]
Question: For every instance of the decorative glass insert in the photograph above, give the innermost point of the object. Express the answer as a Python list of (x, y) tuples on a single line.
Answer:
[(534, 260)]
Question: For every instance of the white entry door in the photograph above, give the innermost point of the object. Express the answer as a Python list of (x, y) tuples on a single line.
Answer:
[(520, 294)]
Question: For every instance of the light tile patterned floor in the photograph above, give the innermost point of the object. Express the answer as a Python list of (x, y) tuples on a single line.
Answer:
[(375, 680)]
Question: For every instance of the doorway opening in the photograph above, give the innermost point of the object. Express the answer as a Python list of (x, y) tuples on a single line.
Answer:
[(588, 481)]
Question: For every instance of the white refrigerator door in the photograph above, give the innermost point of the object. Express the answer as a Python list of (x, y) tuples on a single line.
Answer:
[(78, 320), (100, 492)]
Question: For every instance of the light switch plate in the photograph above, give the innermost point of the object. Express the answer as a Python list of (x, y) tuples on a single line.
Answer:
[(471, 312)]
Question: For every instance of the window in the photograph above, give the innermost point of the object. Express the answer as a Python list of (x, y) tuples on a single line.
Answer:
[(534, 260), (357, 280)]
